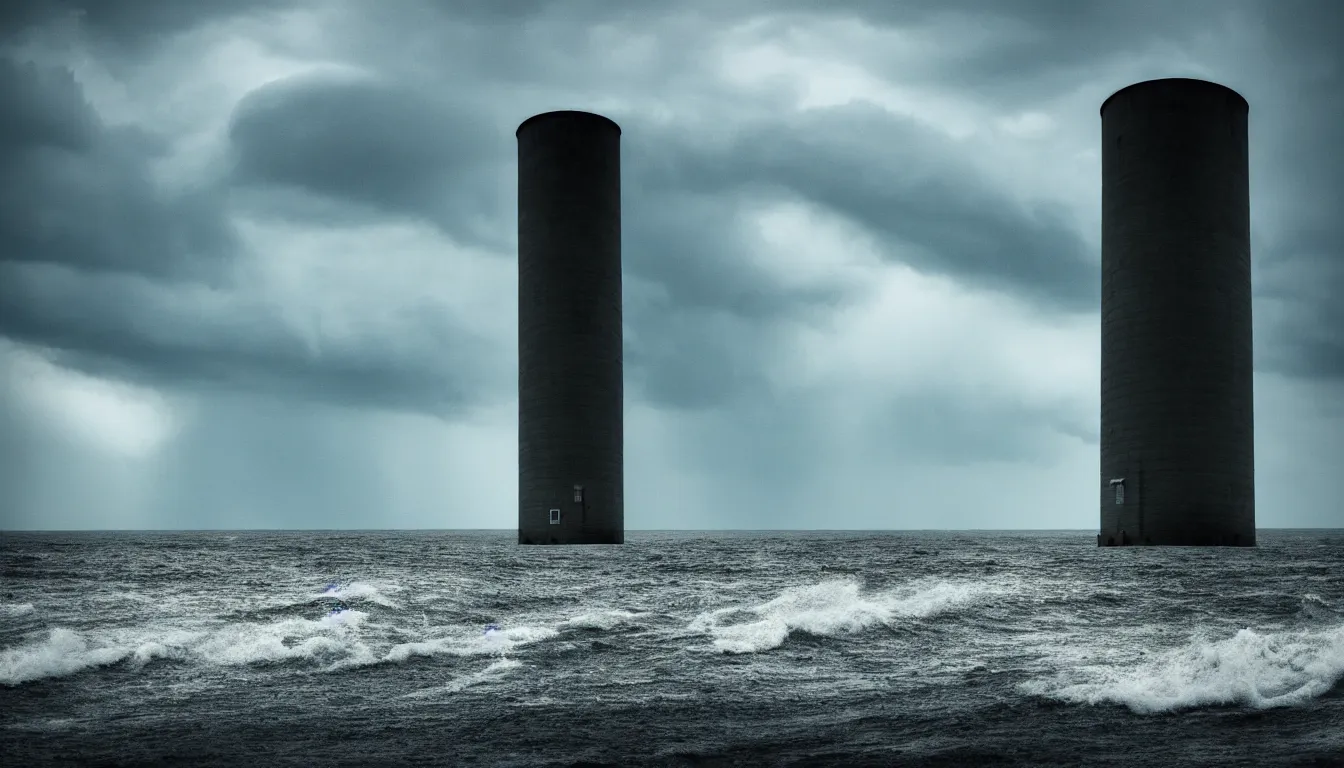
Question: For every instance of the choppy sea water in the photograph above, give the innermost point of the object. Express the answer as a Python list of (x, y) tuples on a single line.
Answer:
[(846, 648)]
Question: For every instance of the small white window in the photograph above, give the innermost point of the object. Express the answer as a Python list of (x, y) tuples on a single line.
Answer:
[(555, 517), (578, 494), (1119, 485)]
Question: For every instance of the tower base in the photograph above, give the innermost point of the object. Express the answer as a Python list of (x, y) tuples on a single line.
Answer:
[(1212, 539), (563, 537)]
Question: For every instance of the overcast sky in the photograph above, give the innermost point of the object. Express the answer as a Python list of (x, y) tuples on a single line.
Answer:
[(258, 258)]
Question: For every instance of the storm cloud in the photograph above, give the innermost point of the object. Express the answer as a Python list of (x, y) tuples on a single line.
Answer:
[(248, 246), (379, 146), (115, 273), (77, 192)]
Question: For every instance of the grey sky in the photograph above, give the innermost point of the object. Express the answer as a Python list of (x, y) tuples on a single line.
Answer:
[(257, 258)]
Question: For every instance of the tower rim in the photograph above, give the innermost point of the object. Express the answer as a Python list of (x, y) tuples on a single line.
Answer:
[(1186, 80), (566, 113)]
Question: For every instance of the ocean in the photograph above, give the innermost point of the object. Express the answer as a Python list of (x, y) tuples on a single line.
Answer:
[(676, 648)]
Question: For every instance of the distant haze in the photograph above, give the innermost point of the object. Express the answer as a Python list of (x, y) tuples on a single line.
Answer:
[(257, 259)]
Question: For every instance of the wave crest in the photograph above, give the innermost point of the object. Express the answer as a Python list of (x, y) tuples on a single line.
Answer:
[(63, 652), (828, 609), (359, 590), (66, 652), (1251, 669), (498, 643)]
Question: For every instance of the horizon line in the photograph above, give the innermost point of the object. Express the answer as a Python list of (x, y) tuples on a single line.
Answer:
[(630, 530)]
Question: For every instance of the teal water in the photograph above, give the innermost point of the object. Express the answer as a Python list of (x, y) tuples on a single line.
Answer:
[(678, 648)]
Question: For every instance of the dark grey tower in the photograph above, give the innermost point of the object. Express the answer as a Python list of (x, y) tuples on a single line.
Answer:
[(1177, 434), (570, 396)]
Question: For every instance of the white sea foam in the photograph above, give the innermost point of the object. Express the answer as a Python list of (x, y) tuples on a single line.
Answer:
[(359, 590), (495, 669), (147, 652), (1251, 669), (928, 599), (346, 618), (471, 643), (47, 725), (65, 652), (15, 610), (603, 620), (336, 641), (828, 609), (293, 639), (503, 665)]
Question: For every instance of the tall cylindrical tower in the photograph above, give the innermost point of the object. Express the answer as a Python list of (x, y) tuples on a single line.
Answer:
[(1177, 435), (570, 396)]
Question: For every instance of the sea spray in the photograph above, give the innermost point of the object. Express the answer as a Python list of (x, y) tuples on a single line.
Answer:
[(1252, 669), (831, 608)]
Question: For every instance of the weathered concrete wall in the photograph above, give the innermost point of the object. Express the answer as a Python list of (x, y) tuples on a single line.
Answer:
[(1176, 388), (570, 397)]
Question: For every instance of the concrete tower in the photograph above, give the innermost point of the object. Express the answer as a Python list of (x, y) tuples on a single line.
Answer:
[(570, 396), (1177, 447)]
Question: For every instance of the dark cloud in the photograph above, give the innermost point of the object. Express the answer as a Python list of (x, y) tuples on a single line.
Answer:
[(374, 144), (1022, 49), (342, 137), (128, 328), (124, 23), (1003, 51), (703, 314), (703, 341), (78, 193), (703, 318), (904, 184), (106, 270), (93, 253), (45, 108), (1297, 127), (697, 249), (699, 320), (1296, 90), (18, 16)]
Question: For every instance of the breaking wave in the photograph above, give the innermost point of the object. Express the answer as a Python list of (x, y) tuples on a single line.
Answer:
[(829, 609), (335, 641), (65, 651), (62, 653), (359, 590), (1250, 669), (471, 644)]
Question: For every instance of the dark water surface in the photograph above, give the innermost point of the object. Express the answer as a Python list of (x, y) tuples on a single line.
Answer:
[(211, 648)]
